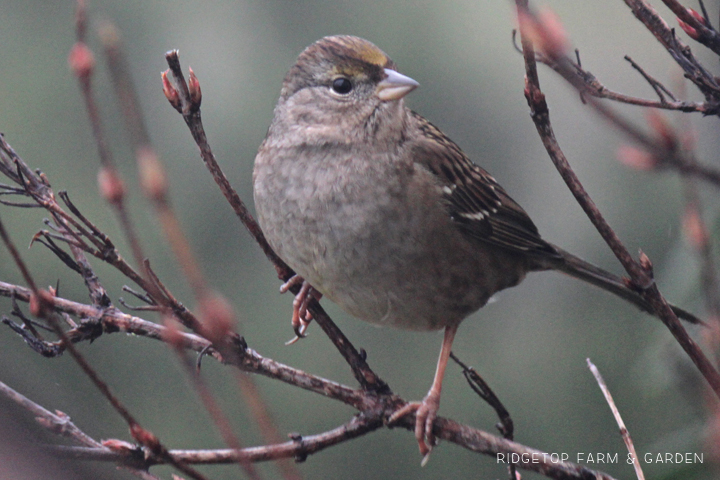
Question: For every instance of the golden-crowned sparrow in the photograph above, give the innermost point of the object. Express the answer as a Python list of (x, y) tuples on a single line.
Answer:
[(382, 213)]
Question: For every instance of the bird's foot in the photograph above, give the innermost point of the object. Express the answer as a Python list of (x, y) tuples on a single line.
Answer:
[(425, 415), (301, 317)]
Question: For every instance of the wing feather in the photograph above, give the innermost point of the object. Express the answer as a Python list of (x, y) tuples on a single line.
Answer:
[(476, 202)]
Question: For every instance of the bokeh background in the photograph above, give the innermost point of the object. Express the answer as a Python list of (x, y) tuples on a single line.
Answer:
[(530, 344)]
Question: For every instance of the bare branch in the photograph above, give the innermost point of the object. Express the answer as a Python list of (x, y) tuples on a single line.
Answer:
[(616, 413), (483, 390), (640, 272), (680, 52), (697, 27), (374, 408)]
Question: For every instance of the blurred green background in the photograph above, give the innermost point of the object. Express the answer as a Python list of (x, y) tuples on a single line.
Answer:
[(530, 344)]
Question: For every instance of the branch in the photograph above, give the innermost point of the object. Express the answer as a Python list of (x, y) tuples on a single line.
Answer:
[(298, 448), (641, 274), (553, 45), (592, 86), (374, 408), (618, 419), (680, 52), (41, 305), (695, 25), (60, 424), (114, 321)]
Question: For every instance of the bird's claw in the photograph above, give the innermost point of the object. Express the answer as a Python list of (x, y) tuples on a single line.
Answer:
[(425, 415), (301, 317)]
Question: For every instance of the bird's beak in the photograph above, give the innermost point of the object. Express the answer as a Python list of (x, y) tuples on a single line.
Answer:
[(395, 86)]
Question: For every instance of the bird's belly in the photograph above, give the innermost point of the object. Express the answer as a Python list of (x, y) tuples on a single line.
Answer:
[(388, 255), (400, 272)]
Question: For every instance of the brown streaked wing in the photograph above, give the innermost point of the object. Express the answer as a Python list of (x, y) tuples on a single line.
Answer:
[(476, 202)]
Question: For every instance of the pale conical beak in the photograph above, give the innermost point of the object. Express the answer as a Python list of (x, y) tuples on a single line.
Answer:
[(395, 86)]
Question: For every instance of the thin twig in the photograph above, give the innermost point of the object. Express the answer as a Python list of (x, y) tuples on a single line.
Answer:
[(115, 321), (38, 188), (139, 433), (191, 115), (298, 448), (41, 303), (585, 82), (59, 423), (592, 86), (659, 88), (481, 387), (616, 413)]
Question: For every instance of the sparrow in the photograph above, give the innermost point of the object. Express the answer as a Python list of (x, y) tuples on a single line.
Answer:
[(378, 210)]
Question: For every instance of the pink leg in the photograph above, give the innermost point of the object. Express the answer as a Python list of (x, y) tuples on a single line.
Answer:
[(426, 410)]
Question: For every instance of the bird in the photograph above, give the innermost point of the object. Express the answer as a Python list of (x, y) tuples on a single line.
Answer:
[(378, 210)]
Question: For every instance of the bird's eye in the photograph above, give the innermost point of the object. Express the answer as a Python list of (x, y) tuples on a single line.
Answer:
[(342, 86)]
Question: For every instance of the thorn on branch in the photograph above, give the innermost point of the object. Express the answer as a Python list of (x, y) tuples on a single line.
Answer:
[(201, 354)]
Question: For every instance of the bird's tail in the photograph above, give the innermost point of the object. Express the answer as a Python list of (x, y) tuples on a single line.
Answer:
[(582, 270)]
